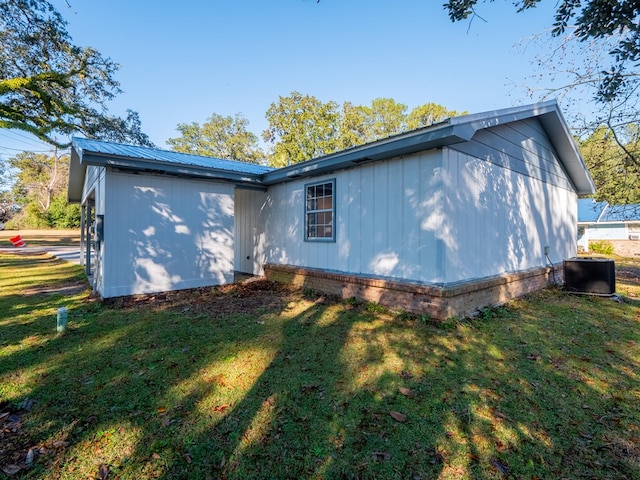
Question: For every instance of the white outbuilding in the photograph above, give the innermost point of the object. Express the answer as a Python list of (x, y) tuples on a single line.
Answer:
[(441, 220)]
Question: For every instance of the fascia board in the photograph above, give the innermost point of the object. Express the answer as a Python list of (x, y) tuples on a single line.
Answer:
[(394, 147), (566, 148), (141, 165), (77, 172), (551, 119)]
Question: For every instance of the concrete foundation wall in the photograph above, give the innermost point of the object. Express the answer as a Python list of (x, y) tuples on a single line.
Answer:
[(439, 302)]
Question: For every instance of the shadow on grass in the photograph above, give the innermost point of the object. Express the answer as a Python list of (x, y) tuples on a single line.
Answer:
[(304, 388)]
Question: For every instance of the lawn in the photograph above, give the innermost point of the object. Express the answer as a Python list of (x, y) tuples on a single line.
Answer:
[(256, 381), (41, 238)]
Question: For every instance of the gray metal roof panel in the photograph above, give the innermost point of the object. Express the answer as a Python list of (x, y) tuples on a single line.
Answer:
[(85, 145)]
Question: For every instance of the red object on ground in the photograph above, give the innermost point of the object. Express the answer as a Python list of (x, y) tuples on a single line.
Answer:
[(18, 241)]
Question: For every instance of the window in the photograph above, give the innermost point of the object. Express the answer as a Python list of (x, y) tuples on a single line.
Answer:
[(320, 211)]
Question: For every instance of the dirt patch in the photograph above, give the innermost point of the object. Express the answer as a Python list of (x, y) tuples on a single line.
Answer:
[(628, 274), (65, 289), (245, 297)]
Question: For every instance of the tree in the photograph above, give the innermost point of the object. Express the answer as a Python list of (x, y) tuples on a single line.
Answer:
[(428, 114), (220, 137), (51, 87), (595, 56), (617, 178), (353, 126), (301, 127), (594, 19), (7, 207), (385, 118), (40, 187)]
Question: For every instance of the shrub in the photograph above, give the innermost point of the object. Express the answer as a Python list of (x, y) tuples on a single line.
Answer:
[(603, 247), (62, 214)]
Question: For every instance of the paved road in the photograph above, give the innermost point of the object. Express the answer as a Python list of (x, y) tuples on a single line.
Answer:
[(71, 254)]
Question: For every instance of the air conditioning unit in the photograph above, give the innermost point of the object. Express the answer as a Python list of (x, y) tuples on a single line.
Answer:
[(634, 236), (596, 276)]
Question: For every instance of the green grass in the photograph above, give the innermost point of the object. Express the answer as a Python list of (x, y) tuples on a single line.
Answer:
[(41, 238), (258, 382)]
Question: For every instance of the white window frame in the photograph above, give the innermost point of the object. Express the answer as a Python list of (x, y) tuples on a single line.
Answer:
[(316, 209)]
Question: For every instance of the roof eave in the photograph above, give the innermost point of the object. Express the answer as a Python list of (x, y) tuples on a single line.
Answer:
[(77, 171), (144, 165), (396, 146), (558, 132)]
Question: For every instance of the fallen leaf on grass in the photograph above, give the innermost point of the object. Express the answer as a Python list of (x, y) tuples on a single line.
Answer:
[(103, 472), (187, 457), (501, 467), (380, 456), (155, 456), (220, 408), (91, 419), (10, 469), (168, 421), (398, 417), (29, 458), (407, 392)]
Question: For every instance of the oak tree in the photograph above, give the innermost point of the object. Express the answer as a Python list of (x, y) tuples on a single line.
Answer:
[(219, 137), (51, 87)]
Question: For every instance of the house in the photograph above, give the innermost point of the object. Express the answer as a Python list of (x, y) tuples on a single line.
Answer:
[(441, 220), (601, 221)]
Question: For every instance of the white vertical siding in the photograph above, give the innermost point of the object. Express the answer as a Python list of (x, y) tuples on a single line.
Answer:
[(472, 210), (387, 216), (93, 176), (249, 231), (95, 185), (507, 198), (166, 233)]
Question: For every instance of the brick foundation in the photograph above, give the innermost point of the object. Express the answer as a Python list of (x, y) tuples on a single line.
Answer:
[(439, 302)]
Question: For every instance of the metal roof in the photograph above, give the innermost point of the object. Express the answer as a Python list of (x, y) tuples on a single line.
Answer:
[(591, 211), (95, 152), (451, 131), (84, 146)]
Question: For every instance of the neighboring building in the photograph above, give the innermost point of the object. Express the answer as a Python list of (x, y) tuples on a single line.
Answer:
[(601, 221), (440, 220)]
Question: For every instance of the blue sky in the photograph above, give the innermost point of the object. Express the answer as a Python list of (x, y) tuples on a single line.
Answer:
[(181, 61)]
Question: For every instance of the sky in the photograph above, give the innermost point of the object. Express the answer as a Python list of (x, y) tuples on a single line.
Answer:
[(181, 61)]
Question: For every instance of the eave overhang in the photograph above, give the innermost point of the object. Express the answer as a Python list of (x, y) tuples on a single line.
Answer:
[(449, 132), (396, 146), (81, 158)]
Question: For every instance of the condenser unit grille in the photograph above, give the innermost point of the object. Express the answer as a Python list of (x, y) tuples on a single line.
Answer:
[(596, 276)]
